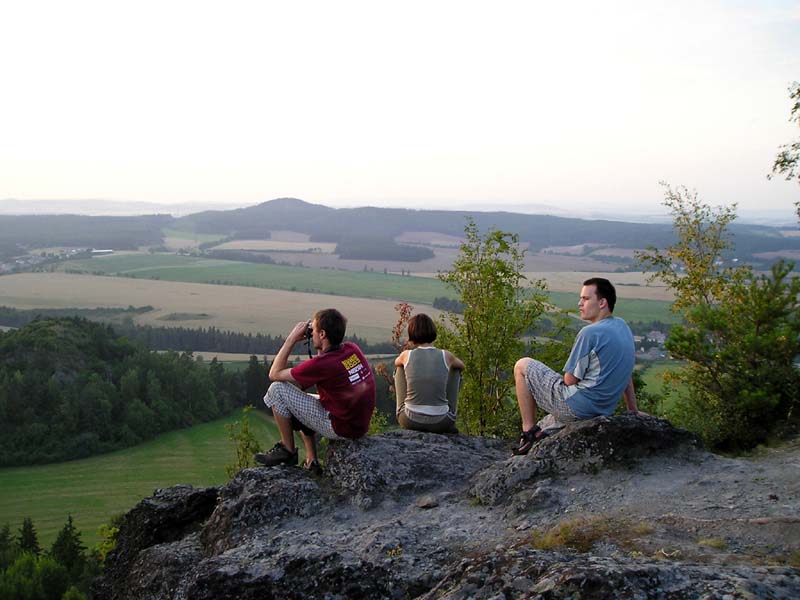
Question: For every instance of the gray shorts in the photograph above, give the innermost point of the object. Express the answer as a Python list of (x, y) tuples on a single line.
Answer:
[(549, 392), (290, 402)]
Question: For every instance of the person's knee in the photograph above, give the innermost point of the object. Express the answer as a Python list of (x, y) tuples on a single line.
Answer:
[(521, 367)]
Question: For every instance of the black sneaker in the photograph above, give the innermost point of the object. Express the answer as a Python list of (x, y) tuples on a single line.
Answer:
[(279, 455), (527, 440), (313, 467)]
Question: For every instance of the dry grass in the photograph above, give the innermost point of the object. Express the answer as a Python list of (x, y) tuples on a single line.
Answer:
[(278, 245), (628, 285), (234, 308), (582, 533)]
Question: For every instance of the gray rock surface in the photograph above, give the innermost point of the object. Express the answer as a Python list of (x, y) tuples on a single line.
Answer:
[(642, 512)]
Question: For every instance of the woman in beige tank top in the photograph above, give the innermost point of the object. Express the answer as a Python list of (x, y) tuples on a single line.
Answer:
[(426, 381)]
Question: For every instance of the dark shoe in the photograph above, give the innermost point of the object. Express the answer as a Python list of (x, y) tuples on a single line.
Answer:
[(313, 467), (279, 455), (527, 441)]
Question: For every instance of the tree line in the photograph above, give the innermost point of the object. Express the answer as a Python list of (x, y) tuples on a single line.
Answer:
[(64, 572), (180, 339), (71, 388)]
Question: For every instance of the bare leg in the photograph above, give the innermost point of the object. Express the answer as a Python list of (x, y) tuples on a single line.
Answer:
[(310, 443), (285, 429), (527, 404)]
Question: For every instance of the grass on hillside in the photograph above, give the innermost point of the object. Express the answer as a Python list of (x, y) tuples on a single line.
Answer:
[(95, 489)]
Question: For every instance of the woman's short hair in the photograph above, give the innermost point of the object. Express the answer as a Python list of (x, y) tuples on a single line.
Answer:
[(421, 329)]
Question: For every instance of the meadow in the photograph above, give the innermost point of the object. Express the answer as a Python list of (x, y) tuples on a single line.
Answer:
[(190, 269), (96, 489), (229, 308), (638, 300)]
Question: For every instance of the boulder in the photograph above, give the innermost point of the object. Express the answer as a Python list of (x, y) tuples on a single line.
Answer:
[(584, 446)]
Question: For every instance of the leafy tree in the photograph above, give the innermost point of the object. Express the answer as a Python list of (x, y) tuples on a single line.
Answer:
[(741, 332), (246, 443), (69, 551), (28, 540), (487, 276), (787, 163)]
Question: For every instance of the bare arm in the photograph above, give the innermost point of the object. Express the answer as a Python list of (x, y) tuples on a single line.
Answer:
[(630, 398), (453, 362), (570, 379), (402, 359), (278, 370)]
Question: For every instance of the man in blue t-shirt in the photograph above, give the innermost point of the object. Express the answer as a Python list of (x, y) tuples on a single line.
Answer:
[(597, 373)]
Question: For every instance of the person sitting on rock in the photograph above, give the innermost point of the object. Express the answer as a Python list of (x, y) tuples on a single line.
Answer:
[(597, 373), (426, 381), (345, 385)]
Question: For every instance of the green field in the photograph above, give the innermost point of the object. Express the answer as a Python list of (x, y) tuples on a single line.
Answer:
[(190, 269), (424, 290), (199, 238), (630, 309), (95, 489)]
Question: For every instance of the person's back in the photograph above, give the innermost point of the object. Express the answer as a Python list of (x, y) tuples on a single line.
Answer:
[(602, 359), (426, 378), (426, 381)]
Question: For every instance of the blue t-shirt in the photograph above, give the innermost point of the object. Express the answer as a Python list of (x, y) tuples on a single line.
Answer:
[(602, 359)]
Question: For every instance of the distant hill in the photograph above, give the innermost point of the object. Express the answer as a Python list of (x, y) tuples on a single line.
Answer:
[(325, 224), (43, 231), (365, 229)]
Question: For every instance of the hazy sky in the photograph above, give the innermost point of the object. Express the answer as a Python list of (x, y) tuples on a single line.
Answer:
[(583, 107)]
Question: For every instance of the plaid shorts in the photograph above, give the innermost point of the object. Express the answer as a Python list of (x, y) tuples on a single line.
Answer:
[(305, 410), (549, 392)]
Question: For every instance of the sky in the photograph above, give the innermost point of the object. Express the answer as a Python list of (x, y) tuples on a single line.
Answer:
[(577, 108)]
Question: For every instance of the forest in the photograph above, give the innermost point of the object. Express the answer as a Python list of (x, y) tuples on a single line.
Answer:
[(70, 388)]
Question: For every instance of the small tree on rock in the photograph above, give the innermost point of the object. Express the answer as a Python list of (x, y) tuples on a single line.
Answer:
[(498, 309), (741, 330)]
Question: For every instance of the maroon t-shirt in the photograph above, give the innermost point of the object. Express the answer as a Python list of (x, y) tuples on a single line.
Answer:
[(345, 385)]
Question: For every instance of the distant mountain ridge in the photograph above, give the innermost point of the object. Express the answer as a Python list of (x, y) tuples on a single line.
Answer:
[(363, 227), (325, 224)]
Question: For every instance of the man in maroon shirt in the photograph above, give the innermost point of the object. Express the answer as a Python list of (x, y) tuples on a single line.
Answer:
[(345, 385)]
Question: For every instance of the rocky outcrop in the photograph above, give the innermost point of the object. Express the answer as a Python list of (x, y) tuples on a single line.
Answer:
[(587, 447), (407, 514)]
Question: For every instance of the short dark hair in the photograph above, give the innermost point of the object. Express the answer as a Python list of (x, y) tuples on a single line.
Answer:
[(605, 289), (421, 329), (333, 323)]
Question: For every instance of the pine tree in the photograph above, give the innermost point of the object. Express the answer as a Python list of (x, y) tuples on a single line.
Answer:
[(28, 540), (69, 550), (8, 552)]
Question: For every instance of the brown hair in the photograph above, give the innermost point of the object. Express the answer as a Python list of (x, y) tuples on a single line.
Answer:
[(605, 289), (333, 323), (421, 329)]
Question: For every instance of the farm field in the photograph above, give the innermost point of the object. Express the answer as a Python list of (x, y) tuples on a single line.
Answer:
[(232, 308), (175, 239), (95, 489), (653, 377), (190, 269), (278, 245)]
